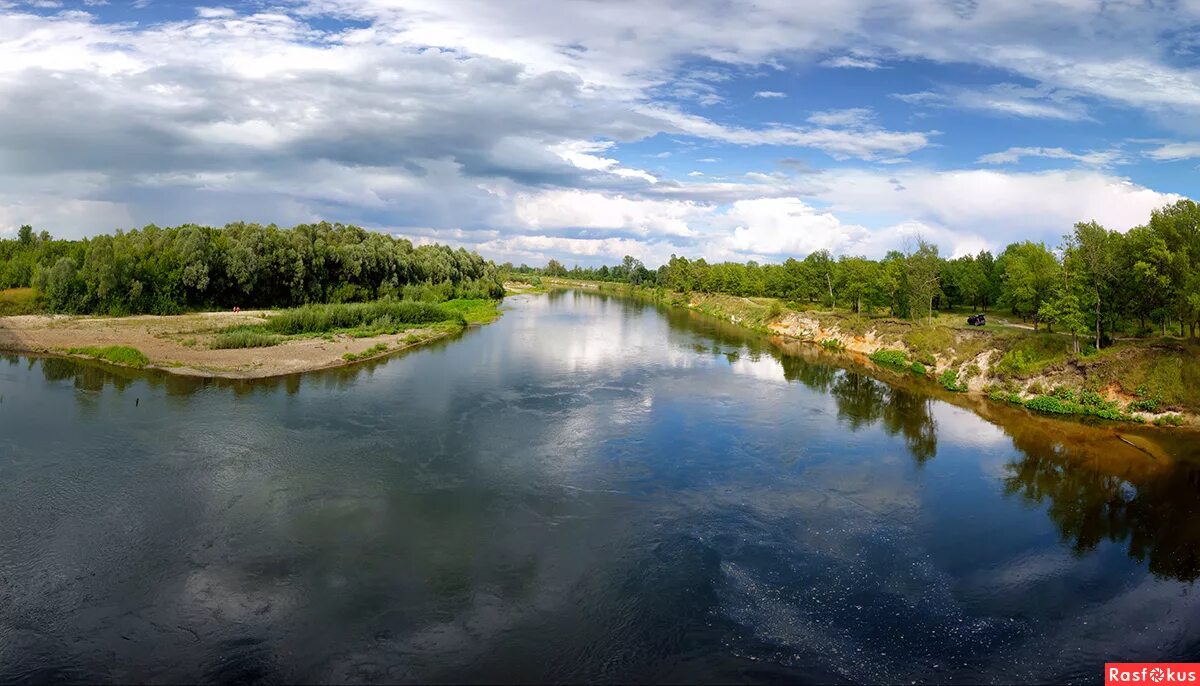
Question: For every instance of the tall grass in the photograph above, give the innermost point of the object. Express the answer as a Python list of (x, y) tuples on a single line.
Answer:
[(17, 301), (245, 337), (383, 315), (115, 354)]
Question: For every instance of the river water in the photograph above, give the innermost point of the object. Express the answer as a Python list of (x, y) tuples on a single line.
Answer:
[(589, 489)]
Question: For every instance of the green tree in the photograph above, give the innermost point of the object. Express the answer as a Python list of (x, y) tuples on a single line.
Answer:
[(923, 274), (1031, 272)]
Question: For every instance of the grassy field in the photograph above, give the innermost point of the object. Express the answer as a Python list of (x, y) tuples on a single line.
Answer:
[(15, 301)]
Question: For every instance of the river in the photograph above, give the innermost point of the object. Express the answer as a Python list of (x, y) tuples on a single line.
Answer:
[(589, 489)]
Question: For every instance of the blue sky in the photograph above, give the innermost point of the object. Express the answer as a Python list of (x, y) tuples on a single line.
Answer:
[(584, 131)]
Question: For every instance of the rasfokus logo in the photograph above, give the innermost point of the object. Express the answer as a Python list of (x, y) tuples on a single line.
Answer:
[(1151, 673)]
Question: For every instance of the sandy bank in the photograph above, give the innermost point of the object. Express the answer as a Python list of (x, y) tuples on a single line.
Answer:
[(180, 344)]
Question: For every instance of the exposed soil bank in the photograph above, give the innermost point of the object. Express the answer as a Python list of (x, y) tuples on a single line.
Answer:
[(180, 344)]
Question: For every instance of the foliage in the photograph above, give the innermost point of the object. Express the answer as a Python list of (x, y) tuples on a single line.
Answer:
[(1099, 282), (114, 354), (895, 359), (917, 368), (473, 311), (1029, 273), (833, 344), (377, 349), (381, 315), (17, 301), (244, 337), (170, 270), (949, 381), (926, 342), (1145, 405), (1000, 394), (1091, 406)]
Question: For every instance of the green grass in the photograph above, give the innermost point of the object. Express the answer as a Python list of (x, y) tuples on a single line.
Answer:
[(244, 337), (1027, 354), (377, 349), (15, 301), (383, 315), (926, 342), (114, 354), (358, 320), (473, 311)]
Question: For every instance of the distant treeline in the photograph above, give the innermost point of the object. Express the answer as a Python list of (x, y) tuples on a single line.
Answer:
[(1097, 282), (168, 270)]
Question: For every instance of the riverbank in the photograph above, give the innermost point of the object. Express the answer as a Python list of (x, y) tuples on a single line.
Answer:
[(1146, 381), (185, 344)]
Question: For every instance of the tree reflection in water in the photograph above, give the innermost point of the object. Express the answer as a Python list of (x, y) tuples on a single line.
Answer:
[(1092, 496)]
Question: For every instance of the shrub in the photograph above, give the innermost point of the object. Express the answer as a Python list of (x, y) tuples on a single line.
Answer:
[(1144, 405), (1091, 398), (1050, 404), (949, 381), (1000, 394), (1036, 388), (890, 358), (1064, 393), (115, 354), (774, 311), (1169, 420), (917, 368), (833, 344)]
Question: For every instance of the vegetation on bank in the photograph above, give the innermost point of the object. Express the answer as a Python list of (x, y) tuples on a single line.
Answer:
[(357, 320), (1098, 286), (1005, 363), (171, 270), (15, 301), (114, 354)]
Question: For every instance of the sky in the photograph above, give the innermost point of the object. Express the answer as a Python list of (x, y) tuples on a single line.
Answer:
[(585, 130)]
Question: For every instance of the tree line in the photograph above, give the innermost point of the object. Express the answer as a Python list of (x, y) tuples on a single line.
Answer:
[(169, 270), (1095, 284)]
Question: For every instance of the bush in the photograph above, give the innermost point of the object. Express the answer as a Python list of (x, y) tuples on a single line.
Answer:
[(894, 359), (833, 344), (1036, 388), (1050, 404), (917, 368), (1003, 395), (1144, 405), (774, 311), (1064, 393), (114, 354), (949, 381), (1169, 420)]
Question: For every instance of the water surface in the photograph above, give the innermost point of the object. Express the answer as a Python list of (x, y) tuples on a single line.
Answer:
[(589, 489)]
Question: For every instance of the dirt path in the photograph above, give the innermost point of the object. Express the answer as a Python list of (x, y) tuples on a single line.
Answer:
[(180, 344)]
